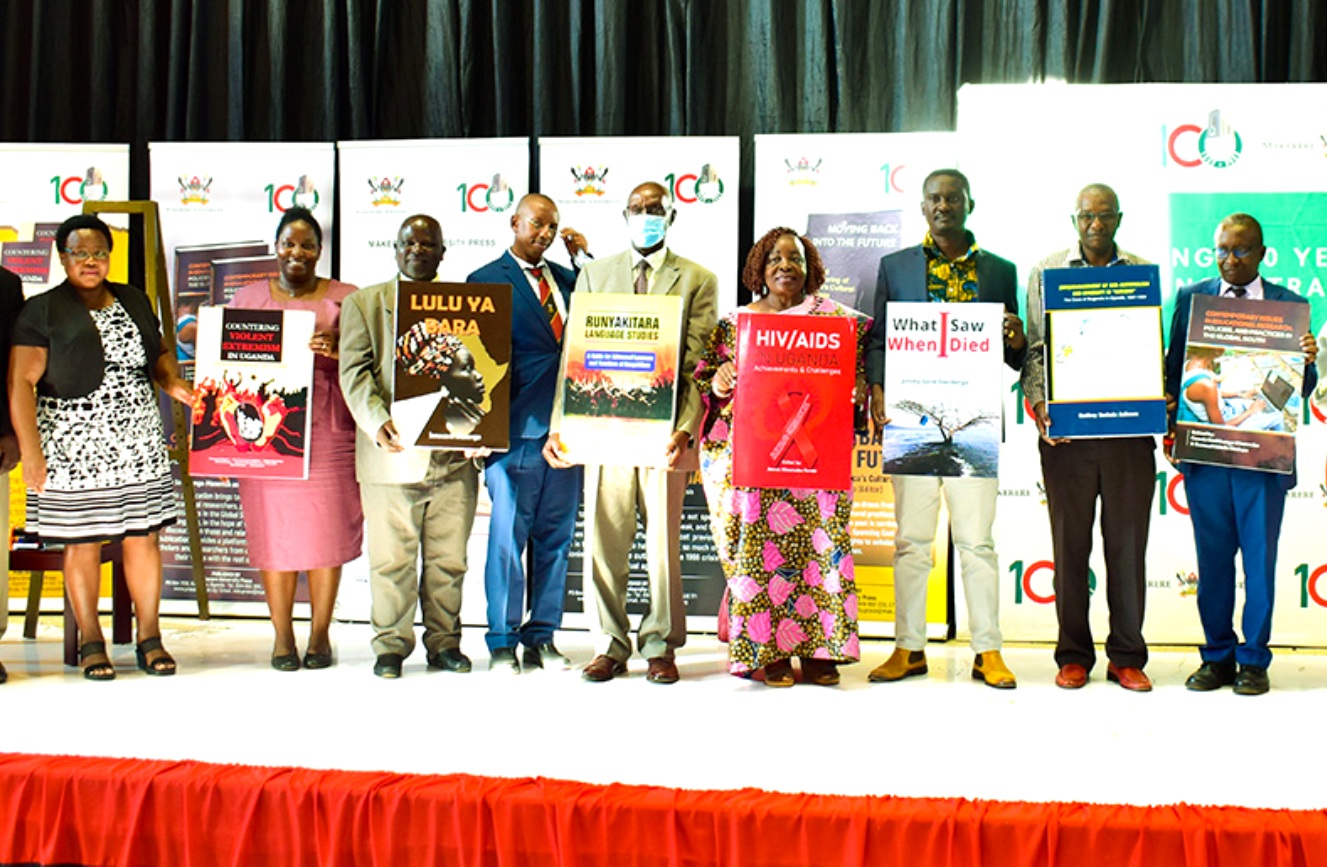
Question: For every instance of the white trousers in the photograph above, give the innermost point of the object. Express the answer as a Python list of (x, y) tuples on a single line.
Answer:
[(971, 504)]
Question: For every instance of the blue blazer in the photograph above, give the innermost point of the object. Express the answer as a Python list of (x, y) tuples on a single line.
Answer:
[(535, 353), (1179, 332), (902, 277)]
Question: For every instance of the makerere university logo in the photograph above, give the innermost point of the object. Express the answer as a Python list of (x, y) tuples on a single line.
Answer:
[(386, 192), (195, 190), (590, 181)]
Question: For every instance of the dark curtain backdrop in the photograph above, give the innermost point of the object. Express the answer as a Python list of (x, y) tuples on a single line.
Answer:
[(206, 70)]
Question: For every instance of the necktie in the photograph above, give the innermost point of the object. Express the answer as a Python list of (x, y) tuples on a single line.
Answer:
[(1239, 291), (643, 278), (546, 299)]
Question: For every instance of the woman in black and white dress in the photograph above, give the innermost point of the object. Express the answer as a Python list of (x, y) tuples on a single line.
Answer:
[(85, 357)]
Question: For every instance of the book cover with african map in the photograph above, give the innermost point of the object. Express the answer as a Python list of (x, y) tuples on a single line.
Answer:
[(451, 388)]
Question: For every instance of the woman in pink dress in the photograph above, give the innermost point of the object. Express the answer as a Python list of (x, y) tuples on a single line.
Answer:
[(313, 525)]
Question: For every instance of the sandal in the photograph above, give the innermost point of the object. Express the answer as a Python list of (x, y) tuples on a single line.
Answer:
[(162, 665), (779, 673), (821, 672), (96, 664)]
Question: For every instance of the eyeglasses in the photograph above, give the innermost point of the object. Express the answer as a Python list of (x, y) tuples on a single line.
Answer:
[(426, 246), (1242, 253), (82, 256), (1106, 217)]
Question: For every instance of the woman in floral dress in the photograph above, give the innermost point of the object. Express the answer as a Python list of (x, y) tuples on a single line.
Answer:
[(786, 554)]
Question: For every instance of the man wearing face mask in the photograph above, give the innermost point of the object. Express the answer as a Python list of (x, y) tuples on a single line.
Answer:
[(416, 501), (533, 504), (614, 495)]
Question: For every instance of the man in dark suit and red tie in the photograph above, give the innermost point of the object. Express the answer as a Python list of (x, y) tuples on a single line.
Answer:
[(1234, 509), (533, 503)]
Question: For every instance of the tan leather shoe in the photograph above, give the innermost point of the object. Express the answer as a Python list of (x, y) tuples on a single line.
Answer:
[(1131, 679), (662, 670), (901, 663), (821, 672), (1071, 676), (601, 669), (990, 669)]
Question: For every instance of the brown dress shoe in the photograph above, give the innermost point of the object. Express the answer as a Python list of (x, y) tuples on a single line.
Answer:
[(602, 668), (1131, 679), (662, 670), (901, 663), (821, 672), (779, 673), (1071, 676), (990, 669)]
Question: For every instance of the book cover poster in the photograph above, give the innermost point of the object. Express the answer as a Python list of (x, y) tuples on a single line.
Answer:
[(253, 384), (1105, 367), (944, 389), (193, 290), (232, 273), (453, 350), (620, 359), (792, 410), (851, 246), (1239, 402)]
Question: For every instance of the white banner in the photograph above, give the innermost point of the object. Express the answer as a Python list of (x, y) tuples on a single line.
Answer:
[(1180, 157), (41, 187), (227, 193), (591, 178), (470, 186)]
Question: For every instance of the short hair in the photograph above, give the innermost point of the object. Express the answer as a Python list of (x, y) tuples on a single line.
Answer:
[(79, 223), (949, 173), (1248, 221), (300, 215), (753, 274)]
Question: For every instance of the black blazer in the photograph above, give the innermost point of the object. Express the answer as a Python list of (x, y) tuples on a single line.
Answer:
[(60, 322), (11, 302)]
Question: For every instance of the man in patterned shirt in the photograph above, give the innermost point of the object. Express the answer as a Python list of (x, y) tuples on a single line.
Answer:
[(947, 266), (1119, 470)]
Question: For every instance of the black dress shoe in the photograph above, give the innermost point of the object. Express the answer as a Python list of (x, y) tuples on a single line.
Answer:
[(1252, 680), (388, 665), (450, 659), (545, 654), (1210, 676), (503, 660), (4, 675)]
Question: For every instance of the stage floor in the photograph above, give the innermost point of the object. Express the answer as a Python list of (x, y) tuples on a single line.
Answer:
[(940, 736)]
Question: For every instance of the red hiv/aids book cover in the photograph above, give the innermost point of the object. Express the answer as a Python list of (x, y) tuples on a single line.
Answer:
[(792, 411)]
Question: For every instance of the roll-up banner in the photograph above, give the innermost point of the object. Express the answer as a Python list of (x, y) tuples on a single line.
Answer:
[(42, 186), (590, 179), (1180, 157), (220, 203), (471, 187), (858, 198)]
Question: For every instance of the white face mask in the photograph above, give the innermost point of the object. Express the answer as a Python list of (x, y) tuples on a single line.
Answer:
[(647, 230)]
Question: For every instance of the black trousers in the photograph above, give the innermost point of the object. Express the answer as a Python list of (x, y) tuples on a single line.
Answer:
[(1122, 473)]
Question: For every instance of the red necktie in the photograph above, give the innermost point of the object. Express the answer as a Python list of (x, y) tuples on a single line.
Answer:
[(550, 305)]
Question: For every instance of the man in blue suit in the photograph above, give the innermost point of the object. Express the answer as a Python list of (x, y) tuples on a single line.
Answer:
[(947, 266), (533, 503), (1234, 509)]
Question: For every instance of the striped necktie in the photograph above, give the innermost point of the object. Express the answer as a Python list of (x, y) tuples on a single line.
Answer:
[(548, 302)]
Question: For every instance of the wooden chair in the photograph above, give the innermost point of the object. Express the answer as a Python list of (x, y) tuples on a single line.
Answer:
[(39, 562)]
